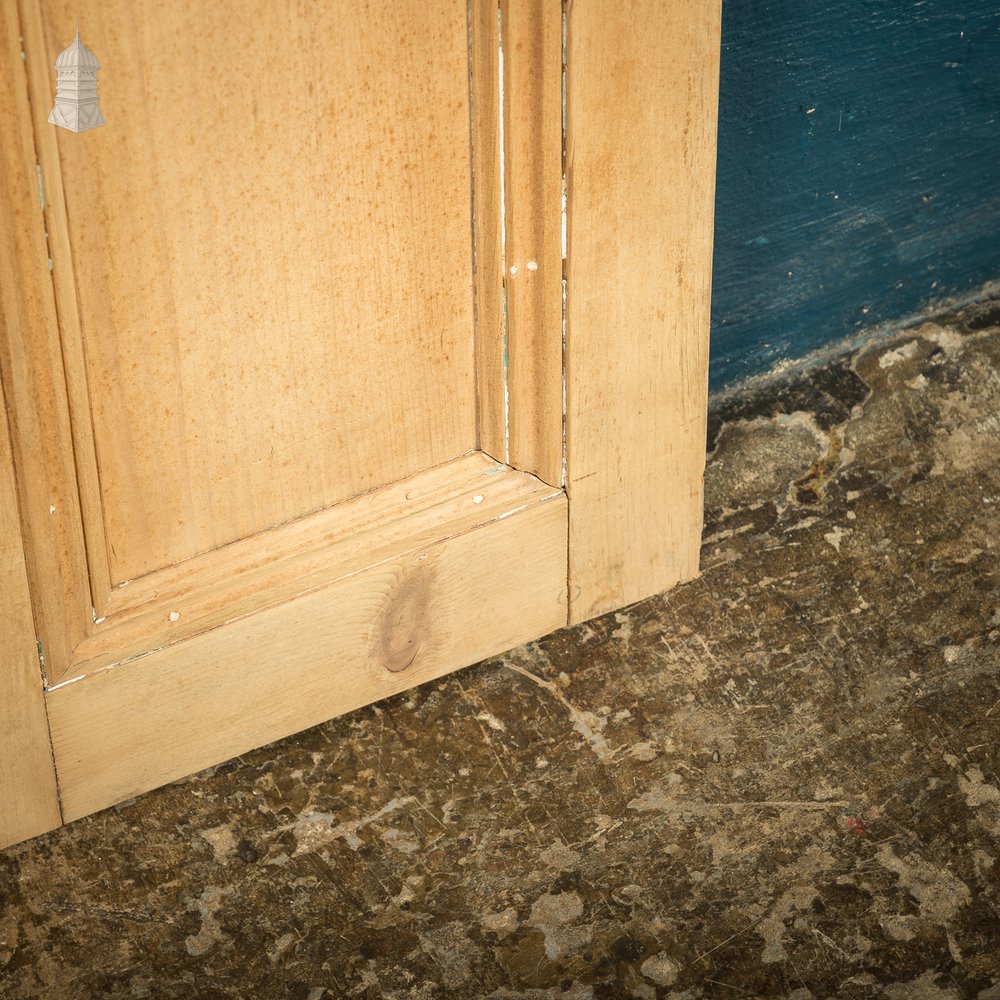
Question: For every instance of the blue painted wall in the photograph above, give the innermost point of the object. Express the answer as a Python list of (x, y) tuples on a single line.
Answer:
[(859, 169)]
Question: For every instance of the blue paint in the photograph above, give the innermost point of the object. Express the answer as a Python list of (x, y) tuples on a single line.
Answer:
[(858, 173)]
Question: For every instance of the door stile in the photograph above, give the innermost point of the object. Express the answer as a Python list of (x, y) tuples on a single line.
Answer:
[(31, 359), (69, 321), (642, 103), (28, 788)]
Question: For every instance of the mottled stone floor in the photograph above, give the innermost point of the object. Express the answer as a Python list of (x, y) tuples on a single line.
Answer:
[(780, 780)]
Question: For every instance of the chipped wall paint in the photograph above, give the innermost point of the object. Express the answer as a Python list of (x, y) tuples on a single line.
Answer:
[(858, 145)]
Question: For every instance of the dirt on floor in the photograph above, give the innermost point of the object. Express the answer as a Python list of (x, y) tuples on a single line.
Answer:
[(779, 780)]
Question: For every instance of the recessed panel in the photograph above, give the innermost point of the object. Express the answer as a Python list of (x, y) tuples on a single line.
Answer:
[(270, 238)]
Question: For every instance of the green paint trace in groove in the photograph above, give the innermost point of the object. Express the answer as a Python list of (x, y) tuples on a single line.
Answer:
[(41, 193)]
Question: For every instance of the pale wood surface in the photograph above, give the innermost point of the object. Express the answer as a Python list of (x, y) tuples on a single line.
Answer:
[(240, 579), (532, 46), (278, 203), (491, 375), (432, 598), (39, 64), (32, 366), (642, 96), (236, 381), (28, 799)]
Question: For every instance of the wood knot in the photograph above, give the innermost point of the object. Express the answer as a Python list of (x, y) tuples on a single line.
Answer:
[(404, 625)]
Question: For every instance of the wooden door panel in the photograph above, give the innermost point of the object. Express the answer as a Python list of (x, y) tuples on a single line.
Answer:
[(259, 345), (270, 245)]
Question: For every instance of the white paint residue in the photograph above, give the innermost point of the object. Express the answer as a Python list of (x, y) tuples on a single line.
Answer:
[(662, 969), (898, 354), (508, 513), (939, 894), (587, 724), (72, 680), (174, 616), (513, 269), (835, 537), (554, 915), (563, 220), (502, 924), (316, 829), (978, 792), (210, 932), (478, 498), (404, 841), (492, 721), (532, 265), (221, 840), (108, 667), (645, 751), (52, 508), (948, 340)]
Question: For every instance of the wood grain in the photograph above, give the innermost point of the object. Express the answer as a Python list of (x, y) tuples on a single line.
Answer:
[(245, 244), (31, 364), (484, 37), (28, 800), (532, 47), (254, 349), (642, 95), (69, 331), (435, 594)]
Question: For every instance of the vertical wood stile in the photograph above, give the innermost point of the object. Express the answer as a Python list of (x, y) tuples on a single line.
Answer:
[(31, 364), (532, 47), (28, 800), (487, 245), (39, 68), (642, 97)]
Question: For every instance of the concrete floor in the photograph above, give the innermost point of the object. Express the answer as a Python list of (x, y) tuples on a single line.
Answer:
[(780, 780)]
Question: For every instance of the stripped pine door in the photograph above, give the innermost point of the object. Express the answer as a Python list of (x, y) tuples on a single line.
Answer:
[(296, 417)]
